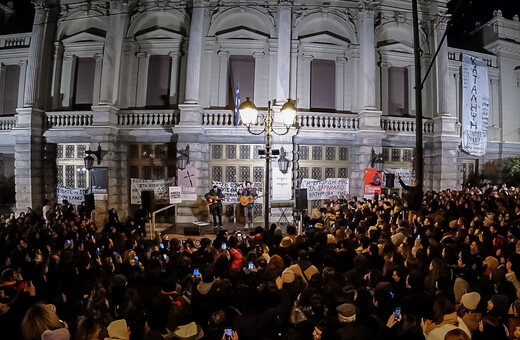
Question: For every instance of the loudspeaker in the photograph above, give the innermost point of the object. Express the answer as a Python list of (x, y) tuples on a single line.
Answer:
[(193, 231), (300, 196), (148, 200), (389, 180), (89, 202)]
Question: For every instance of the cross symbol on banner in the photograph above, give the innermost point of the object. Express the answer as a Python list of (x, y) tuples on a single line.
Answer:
[(189, 176)]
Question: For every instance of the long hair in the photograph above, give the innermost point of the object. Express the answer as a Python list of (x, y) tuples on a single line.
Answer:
[(37, 320)]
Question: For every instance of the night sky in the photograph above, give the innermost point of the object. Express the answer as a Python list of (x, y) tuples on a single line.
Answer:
[(464, 21)]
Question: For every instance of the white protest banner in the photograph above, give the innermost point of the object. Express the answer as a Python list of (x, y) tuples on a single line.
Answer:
[(324, 190), (160, 187), (475, 105), (73, 195), (405, 174), (230, 190), (282, 185), (175, 195)]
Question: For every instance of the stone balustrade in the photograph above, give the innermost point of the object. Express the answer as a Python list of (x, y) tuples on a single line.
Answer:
[(147, 118), (69, 119), (15, 40), (7, 123), (404, 125), (328, 121), (218, 118)]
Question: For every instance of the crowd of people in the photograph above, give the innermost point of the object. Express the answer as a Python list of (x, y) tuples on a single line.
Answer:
[(361, 269)]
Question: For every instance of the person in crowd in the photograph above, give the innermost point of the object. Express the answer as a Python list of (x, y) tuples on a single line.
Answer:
[(449, 272)]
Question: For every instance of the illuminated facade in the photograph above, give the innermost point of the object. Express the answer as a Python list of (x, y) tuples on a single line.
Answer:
[(146, 78)]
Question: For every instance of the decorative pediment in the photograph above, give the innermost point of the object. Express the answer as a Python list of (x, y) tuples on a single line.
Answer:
[(394, 46), (324, 38), (243, 33), (84, 37), (158, 33)]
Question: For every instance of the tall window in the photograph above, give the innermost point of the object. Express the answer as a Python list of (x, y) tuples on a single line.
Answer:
[(12, 78), (242, 73), (70, 165), (398, 91), (158, 88), (84, 93), (323, 85)]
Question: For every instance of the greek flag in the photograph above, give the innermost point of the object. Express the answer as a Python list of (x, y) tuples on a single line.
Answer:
[(237, 105)]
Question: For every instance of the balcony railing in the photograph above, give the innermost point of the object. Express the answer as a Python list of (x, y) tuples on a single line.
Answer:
[(405, 125), (328, 121), (147, 118), (69, 119), (7, 123), (15, 40)]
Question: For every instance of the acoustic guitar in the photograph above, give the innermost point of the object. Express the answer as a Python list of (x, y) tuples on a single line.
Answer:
[(214, 199), (245, 200)]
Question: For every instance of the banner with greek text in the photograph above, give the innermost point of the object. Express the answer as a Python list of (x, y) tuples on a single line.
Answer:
[(475, 105), (73, 195), (230, 190), (160, 187), (324, 190)]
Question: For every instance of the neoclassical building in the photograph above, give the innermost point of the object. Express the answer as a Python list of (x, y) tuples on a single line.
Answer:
[(145, 78)]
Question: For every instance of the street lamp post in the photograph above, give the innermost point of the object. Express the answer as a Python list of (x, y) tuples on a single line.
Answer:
[(249, 115)]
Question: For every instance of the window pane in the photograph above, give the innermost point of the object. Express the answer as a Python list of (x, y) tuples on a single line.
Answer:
[(397, 91), (323, 84), (86, 68), (12, 78), (158, 85), (242, 73)]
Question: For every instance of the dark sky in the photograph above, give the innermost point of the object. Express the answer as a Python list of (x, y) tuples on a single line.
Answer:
[(472, 12)]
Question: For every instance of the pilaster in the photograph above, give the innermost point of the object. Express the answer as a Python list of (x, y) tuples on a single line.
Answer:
[(174, 78), (284, 51), (368, 58), (143, 60), (28, 154), (195, 53)]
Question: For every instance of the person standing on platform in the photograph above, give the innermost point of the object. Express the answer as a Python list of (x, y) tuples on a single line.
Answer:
[(247, 198), (214, 198)]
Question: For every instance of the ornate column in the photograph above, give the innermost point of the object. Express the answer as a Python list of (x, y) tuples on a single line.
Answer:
[(284, 51), (118, 22), (3, 73), (97, 78), (384, 87), (67, 80), (174, 77), (21, 82), (340, 83), (195, 53), (223, 77), (261, 84), (143, 61), (57, 61), (368, 56), (305, 97), (443, 76), (34, 65)]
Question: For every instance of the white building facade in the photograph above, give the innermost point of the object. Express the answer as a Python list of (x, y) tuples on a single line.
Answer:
[(146, 78)]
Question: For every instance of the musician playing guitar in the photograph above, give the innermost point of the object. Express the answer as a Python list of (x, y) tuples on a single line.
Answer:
[(247, 198), (214, 198)]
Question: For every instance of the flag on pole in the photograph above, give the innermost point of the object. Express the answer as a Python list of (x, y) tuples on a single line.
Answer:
[(237, 105)]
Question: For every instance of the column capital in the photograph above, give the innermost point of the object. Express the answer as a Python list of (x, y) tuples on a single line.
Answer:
[(223, 54), (98, 56), (174, 54), (307, 57), (341, 60), (258, 55), (141, 55)]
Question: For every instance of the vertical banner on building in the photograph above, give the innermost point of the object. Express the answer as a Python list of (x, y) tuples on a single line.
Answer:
[(372, 182), (475, 105)]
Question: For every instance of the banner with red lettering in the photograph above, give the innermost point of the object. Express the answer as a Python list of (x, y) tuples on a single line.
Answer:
[(475, 105), (372, 182), (324, 190)]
